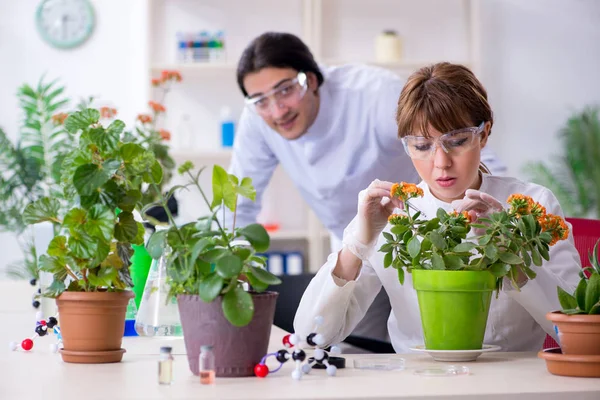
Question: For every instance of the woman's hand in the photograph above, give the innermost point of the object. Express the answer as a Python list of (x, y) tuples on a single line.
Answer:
[(478, 205), (374, 208)]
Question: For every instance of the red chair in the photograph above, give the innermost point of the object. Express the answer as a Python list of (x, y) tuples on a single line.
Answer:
[(586, 233)]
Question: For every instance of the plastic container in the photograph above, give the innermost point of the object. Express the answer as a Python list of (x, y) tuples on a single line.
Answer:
[(380, 363)]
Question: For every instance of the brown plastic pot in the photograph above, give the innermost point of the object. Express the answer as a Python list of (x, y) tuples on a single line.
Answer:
[(577, 334), (236, 350), (92, 325), (571, 364)]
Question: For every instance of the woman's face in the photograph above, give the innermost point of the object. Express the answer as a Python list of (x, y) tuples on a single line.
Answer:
[(449, 175)]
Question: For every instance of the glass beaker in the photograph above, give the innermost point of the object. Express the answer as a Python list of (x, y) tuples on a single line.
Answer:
[(158, 314)]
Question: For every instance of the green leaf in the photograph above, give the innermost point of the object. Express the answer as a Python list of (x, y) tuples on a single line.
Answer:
[(246, 189), (499, 270), (100, 222), (437, 240), (387, 259), (257, 236), (595, 310), (103, 277), (530, 225), (592, 293), (386, 247), (155, 175), (414, 247), (137, 160), (75, 220), (51, 264), (242, 252), (525, 256), (453, 262), (229, 266), (125, 252), (437, 262), (255, 283), (129, 200), (214, 254), (126, 229), (544, 252), (81, 120), (55, 289), (535, 257), (156, 244), (491, 252), (401, 275), (58, 247), (89, 178), (223, 189), (388, 236), (464, 247), (529, 272), (116, 128), (580, 294), (265, 276), (44, 209), (509, 258), (141, 232), (485, 239), (105, 140), (83, 246), (398, 229), (565, 299), (209, 287), (238, 307)]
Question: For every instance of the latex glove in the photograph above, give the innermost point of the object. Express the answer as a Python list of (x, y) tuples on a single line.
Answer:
[(478, 205), (374, 208)]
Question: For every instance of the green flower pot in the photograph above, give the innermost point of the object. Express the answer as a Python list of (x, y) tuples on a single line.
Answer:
[(454, 307)]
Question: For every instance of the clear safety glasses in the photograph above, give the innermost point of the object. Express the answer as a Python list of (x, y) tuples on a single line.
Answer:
[(454, 143), (286, 94)]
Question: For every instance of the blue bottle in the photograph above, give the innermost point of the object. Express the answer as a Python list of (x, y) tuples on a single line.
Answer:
[(227, 127)]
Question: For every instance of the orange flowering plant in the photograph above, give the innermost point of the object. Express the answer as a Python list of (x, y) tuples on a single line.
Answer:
[(509, 241)]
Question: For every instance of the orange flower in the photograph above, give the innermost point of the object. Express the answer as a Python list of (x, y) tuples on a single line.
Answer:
[(556, 226), (156, 82), (396, 219), (107, 112), (144, 118), (519, 204), (167, 75), (405, 191), (164, 134), (59, 119), (157, 107), (464, 216), (537, 210)]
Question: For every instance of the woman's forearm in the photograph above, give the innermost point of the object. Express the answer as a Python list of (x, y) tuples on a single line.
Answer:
[(348, 265)]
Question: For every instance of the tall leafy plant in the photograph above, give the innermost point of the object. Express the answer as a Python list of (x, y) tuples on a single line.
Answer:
[(575, 177), (31, 167), (206, 258), (104, 175)]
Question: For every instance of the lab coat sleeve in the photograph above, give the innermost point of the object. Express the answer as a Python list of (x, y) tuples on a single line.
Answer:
[(252, 157), (342, 304), (539, 295)]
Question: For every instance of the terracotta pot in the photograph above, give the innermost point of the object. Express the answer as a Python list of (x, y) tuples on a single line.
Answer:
[(577, 334), (571, 364), (92, 325), (236, 350)]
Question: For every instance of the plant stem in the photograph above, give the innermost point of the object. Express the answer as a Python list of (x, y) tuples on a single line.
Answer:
[(234, 213), (231, 285), (163, 201), (71, 273), (84, 274)]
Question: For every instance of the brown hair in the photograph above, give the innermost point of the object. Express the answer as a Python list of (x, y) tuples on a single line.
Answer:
[(445, 96)]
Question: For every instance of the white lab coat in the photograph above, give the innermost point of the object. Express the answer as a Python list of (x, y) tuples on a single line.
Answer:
[(517, 318)]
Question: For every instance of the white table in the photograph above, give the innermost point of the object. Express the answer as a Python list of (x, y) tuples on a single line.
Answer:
[(41, 374)]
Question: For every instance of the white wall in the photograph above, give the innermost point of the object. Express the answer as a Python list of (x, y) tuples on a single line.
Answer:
[(111, 65), (540, 62)]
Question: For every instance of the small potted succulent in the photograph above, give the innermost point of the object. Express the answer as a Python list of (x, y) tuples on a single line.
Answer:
[(455, 275), (210, 269), (90, 256)]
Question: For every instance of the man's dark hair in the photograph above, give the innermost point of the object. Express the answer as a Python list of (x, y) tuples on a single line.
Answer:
[(278, 50)]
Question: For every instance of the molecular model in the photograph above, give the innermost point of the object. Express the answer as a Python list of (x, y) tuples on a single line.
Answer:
[(41, 329), (320, 358)]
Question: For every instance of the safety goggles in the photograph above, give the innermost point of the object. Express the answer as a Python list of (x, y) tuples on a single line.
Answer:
[(454, 143), (286, 94)]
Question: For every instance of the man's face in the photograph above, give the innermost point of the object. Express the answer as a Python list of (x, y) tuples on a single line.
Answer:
[(285, 100)]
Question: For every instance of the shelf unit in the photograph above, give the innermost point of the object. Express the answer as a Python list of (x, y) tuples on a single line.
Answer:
[(336, 31)]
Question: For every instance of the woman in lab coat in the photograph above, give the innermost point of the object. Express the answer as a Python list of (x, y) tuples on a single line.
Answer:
[(444, 120)]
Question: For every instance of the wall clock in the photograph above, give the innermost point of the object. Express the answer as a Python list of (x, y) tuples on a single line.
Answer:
[(65, 23)]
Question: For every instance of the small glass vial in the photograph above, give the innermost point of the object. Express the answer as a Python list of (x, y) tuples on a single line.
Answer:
[(165, 366), (207, 365)]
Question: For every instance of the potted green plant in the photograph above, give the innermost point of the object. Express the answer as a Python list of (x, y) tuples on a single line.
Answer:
[(90, 256), (578, 322), (209, 266), (455, 275)]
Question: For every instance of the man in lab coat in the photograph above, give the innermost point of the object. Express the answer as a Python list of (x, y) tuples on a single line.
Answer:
[(333, 131)]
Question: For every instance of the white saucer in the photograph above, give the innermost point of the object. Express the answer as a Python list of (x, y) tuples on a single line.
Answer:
[(456, 355)]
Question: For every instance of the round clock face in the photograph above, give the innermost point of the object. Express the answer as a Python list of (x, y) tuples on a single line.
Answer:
[(65, 23)]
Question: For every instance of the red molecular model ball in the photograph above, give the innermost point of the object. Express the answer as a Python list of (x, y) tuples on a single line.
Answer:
[(27, 344), (286, 341), (261, 370)]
